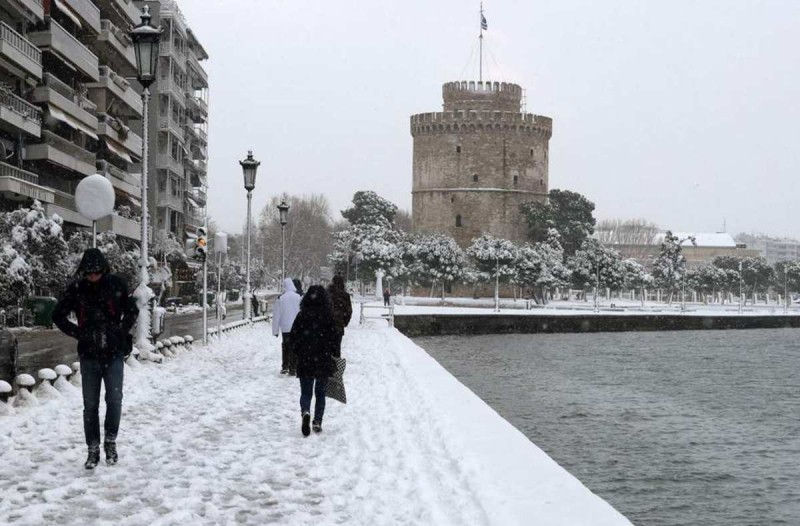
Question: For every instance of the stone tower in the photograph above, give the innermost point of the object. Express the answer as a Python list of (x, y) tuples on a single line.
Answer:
[(477, 161)]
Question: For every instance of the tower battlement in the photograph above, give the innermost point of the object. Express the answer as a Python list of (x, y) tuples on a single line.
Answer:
[(480, 120), (472, 95)]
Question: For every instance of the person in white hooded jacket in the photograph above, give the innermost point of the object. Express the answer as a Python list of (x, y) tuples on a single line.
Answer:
[(284, 311)]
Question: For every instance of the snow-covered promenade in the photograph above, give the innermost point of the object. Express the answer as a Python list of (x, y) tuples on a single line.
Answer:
[(213, 437)]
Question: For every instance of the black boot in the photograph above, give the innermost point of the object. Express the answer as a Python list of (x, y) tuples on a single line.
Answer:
[(305, 428), (93, 458), (110, 448), (317, 427)]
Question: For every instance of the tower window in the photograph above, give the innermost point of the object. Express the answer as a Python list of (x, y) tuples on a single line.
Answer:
[(516, 179), (458, 149), (452, 199), (541, 182), (458, 220), (531, 152), (474, 178)]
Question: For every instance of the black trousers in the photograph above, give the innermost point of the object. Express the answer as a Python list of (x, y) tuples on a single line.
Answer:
[(288, 359), (337, 352)]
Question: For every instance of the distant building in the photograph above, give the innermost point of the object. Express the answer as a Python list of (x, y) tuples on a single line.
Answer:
[(178, 127), (772, 249), (477, 161), (705, 248)]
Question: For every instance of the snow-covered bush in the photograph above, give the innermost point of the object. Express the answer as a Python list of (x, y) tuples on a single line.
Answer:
[(595, 263), (434, 259), (493, 257), (16, 281)]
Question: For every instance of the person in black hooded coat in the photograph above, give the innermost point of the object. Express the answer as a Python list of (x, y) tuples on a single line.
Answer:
[(313, 339), (105, 315)]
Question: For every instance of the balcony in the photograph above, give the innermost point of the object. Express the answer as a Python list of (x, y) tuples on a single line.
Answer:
[(22, 55), (88, 13), (32, 10), (60, 151), (170, 201), (200, 165), (121, 180), (166, 162), (191, 132), (168, 85), (124, 11), (200, 78), (64, 206), (118, 132), (57, 94), (167, 123), (58, 40), (121, 226), (116, 48), (19, 115), (112, 87), (18, 184), (194, 217), (198, 194)]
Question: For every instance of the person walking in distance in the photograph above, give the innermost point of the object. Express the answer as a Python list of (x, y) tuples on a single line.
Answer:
[(387, 297), (342, 310), (313, 341), (284, 311), (105, 315)]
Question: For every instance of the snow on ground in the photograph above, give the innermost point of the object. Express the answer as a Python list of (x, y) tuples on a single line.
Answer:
[(213, 437), (485, 306)]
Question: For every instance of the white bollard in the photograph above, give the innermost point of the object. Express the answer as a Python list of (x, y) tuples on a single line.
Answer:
[(5, 394), (62, 384), (75, 379), (24, 396), (45, 390)]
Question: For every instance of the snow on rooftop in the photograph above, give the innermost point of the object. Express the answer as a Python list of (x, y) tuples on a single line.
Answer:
[(412, 446)]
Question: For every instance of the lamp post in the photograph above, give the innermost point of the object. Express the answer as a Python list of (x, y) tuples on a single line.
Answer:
[(283, 209), (497, 284), (740, 286), (145, 39), (249, 169)]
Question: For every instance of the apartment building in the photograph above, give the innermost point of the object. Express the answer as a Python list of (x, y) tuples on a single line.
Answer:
[(179, 127), (773, 249), (70, 107), (64, 64)]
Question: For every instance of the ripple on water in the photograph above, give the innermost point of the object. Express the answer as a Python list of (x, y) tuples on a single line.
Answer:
[(671, 428)]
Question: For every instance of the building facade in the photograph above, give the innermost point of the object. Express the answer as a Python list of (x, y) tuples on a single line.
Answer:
[(178, 127), (476, 161), (773, 249), (705, 248), (70, 107)]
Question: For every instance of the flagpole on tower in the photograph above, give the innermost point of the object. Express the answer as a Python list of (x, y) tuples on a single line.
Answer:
[(480, 38)]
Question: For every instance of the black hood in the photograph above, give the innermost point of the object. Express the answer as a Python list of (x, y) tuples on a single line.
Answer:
[(338, 282), (93, 261)]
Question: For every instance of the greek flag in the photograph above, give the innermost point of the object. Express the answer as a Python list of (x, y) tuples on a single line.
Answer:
[(484, 25)]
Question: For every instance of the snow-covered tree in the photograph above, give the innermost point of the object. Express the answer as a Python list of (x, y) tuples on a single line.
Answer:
[(595, 263), (570, 213), (39, 241), (540, 267), (670, 265), (493, 257), (636, 277), (370, 209), (787, 277), (167, 247), (435, 258), (706, 279), (16, 281), (372, 248)]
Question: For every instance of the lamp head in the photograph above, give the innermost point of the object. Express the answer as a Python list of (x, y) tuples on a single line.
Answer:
[(249, 169), (145, 43)]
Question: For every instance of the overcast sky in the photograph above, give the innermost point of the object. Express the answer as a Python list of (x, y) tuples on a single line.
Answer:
[(685, 112)]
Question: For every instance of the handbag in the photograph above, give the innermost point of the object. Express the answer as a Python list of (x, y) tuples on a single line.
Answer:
[(335, 389)]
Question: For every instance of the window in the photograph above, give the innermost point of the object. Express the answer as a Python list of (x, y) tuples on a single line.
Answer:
[(531, 152), (516, 179), (452, 199), (474, 178), (541, 182), (458, 220), (458, 149)]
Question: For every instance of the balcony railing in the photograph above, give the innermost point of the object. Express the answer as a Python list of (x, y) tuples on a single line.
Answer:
[(199, 195), (88, 12), (199, 70), (167, 199), (166, 161), (120, 42), (200, 165), (7, 170), (62, 144), (20, 106), (68, 47), (168, 84), (167, 123), (22, 51), (120, 179)]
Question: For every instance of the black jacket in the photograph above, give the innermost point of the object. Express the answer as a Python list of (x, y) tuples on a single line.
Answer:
[(313, 340), (105, 311), (340, 300)]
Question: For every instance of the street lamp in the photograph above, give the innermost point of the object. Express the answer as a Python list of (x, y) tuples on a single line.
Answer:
[(283, 208), (249, 169), (145, 39), (740, 286), (497, 284)]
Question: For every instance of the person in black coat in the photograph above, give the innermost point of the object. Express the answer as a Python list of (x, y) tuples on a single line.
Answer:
[(105, 315), (342, 310), (313, 339)]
